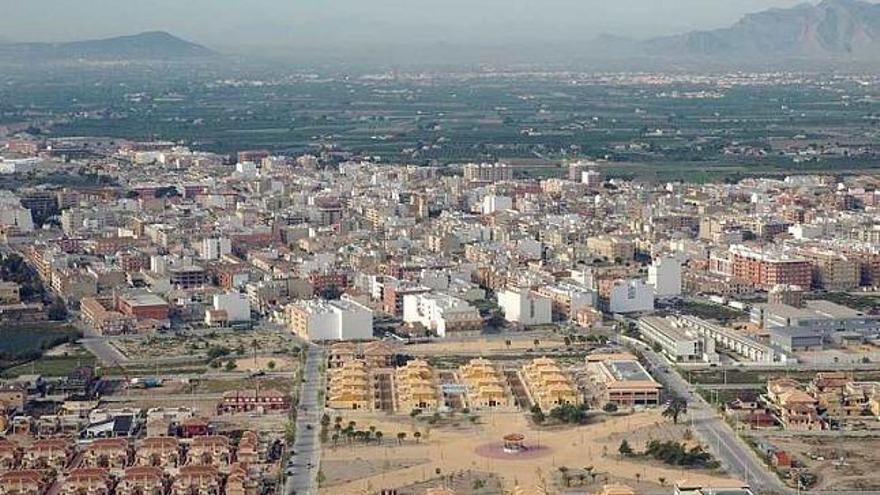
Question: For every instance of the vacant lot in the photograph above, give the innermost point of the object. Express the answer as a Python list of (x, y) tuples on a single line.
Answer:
[(839, 463)]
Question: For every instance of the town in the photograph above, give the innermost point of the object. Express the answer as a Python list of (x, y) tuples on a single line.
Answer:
[(187, 322)]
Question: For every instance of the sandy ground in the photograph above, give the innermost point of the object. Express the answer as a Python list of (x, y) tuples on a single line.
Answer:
[(839, 463), (485, 345), (454, 450), (261, 363)]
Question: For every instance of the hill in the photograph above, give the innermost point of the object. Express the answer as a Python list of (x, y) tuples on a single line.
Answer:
[(149, 46), (832, 29)]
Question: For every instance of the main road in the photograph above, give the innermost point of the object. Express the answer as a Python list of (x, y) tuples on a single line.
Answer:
[(302, 466)]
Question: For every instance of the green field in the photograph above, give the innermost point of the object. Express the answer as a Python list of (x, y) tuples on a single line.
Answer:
[(24, 341)]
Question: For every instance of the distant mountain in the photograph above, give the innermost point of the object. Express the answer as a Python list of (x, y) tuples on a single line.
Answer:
[(832, 29), (149, 46)]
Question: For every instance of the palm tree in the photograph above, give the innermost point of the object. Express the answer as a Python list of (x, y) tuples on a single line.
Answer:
[(676, 408), (335, 439), (662, 481), (638, 477), (401, 437), (379, 437), (418, 436)]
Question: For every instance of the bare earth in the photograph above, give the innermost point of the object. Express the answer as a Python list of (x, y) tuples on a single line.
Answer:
[(455, 450)]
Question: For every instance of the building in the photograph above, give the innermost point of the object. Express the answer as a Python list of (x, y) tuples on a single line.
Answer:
[(261, 400), (162, 452), (108, 453), (9, 293), (88, 481), (320, 320), (674, 340), (611, 248), (567, 299), (789, 295), (525, 307), (97, 313), (236, 306), (492, 203), (765, 270), (621, 380), (487, 172), (215, 248), (486, 385), (350, 387), (14, 215), (794, 408), (376, 354), (548, 386), (142, 305), (24, 482), (814, 325), (630, 296), (441, 314), (664, 275), (142, 480), (415, 387), (197, 480)]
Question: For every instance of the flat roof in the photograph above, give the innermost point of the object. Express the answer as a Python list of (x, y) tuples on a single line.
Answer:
[(629, 371), (144, 300)]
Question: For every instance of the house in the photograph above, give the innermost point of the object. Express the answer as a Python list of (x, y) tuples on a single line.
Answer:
[(247, 448), (241, 482), (51, 453), (87, 481), (213, 450), (142, 480), (416, 387), (240, 400), (350, 387), (485, 384), (549, 387), (108, 453), (10, 453), (194, 427), (196, 480), (24, 482), (162, 452), (795, 409)]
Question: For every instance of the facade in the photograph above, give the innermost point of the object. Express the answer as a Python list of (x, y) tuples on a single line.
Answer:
[(674, 340), (567, 299), (441, 313), (142, 305), (621, 380), (768, 269), (319, 320), (350, 387), (795, 409), (236, 306), (630, 296), (96, 313), (487, 172), (664, 275), (241, 400), (415, 387), (486, 385), (548, 385), (525, 307)]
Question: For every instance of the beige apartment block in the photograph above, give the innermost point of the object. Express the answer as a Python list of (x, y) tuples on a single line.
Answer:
[(549, 385), (486, 385), (416, 387)]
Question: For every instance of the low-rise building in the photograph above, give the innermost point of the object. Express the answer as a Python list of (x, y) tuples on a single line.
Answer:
[(441, 314), (549, 386), (246, 400), (416, 387), (621, 380), (319, 320), (486, 385), (350, 387)]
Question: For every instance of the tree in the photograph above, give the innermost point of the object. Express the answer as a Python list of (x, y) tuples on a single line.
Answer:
[(57, 311), (610, 407), (418, 436), (676, 408), (567, 341), (624, 449), (379, 436), (230, 365), (662, 481), (536, 342), (638, 477), (401, 437), (335, 439), (271, 365), (537, 414)]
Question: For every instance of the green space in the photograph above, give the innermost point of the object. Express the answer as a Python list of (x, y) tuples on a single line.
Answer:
[(51, 366), (28, 342)]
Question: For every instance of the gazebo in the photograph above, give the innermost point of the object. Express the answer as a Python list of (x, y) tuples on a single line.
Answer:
[(513, 443)]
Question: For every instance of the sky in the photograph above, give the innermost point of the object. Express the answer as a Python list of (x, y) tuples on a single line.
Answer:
[(250, 24)]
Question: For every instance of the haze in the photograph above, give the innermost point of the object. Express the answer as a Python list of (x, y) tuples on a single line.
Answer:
[(244, 25)]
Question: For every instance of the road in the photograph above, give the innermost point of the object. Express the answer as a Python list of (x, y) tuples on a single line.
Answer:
[(307, 447), (727, 447)]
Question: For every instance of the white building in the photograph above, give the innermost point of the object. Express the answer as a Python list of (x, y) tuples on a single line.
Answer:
[(631, 296), (493, 203), (246, 169), (591, 178), (236, 306), (12, 214), (215, 248), (441, 313), (18, 165), (319, 320), (664, 275), (525, 307)]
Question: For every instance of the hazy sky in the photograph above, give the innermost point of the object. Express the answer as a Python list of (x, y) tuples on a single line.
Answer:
[(225, 23)]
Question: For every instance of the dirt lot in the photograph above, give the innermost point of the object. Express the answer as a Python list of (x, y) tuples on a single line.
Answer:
[(456, 449), (840, 463), (243, 343)]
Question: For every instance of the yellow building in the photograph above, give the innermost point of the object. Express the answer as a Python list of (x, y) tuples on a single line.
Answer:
[(350, 387), (548, 385), (486, 385), (416, 386)]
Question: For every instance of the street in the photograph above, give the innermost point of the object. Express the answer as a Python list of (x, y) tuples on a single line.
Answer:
[(302, 467)]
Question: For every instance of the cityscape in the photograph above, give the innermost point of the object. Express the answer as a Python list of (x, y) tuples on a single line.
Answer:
[(651, 269)]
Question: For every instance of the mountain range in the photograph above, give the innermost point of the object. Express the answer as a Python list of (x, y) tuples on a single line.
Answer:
[(832, 29), (838, 31), (148, 46)]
